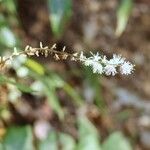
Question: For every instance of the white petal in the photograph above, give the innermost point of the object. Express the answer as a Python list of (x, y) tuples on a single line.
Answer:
[(126, 68), (116, 60), (110, 70), (97, 68)]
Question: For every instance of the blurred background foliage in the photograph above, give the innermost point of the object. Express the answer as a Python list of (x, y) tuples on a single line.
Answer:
[(49, 105)]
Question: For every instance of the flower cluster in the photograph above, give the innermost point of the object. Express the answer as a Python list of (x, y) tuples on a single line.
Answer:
[(99, 64)]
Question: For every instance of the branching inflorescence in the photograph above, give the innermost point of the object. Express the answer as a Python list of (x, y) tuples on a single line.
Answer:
[(99, 64)]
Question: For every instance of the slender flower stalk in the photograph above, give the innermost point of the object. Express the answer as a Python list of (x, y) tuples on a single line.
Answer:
[(99, 64)]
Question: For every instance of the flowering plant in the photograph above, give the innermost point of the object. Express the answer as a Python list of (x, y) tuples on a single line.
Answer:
[(99, 64)]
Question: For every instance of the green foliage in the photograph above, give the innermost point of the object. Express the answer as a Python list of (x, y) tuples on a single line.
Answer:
[(50, 143), (73, 94), (38, 72), (60, 12), (2, 21), (52, 82), (88, 135), (1, 146), (8, 38), (21, 138), (21, 87), (10, 6), (116, 141), (94, 82), (67, 142), (18, 138), (89, 138), (123, 14), (35, 67), (50, 91)]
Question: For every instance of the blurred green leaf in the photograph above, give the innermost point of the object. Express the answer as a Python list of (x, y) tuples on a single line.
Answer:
[(35, 66), (58, 82), (94, 81), (55, 80), (21, 87), (123, 14), (18, 138), (60, 12), (1, 146), (50, 143), (7, 39), (88, 135), (50, 84), (10, 5), (52, 98), (67, 142), (2, 21), (50, 92), (73, 94), (116, 141)]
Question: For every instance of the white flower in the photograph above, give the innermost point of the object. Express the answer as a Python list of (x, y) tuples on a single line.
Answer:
[(95, 57), (116, 60), (126, 68), (82, 57), (88, 62), (91, 61), (104, 60), (97, 68), (110, 69)]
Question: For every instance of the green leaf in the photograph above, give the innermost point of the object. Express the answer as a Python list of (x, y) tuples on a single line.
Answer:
[(73, 94), (18, 138), (35, 66), (94, 82), (50, 143), (10, 5), (116, 141), (51, 82), (7, 39), (55, 80), (39, 73), (123, 14), (67, 142), (88, 135), (21, 87), (2, 21), (58, 82), (52, 98), (1, 146), (60, 12)]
